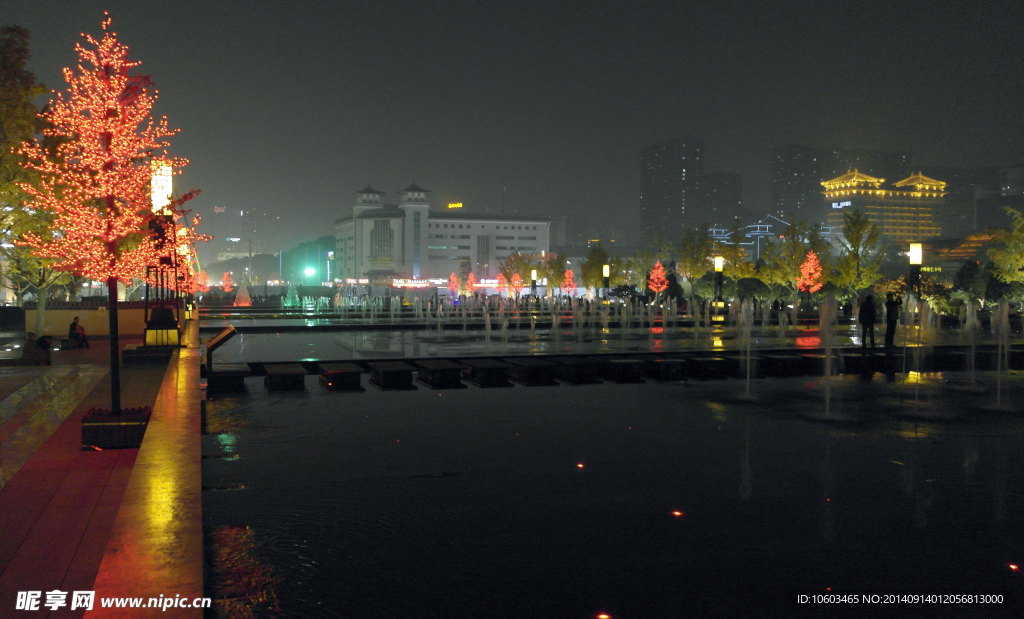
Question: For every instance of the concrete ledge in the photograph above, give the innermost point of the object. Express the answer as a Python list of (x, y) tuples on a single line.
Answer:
[(156, 545)]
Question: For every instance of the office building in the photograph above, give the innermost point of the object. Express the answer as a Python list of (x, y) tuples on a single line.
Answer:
[(407, 241)]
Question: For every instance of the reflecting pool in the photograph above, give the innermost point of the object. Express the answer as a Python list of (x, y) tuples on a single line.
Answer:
[(635, 501)]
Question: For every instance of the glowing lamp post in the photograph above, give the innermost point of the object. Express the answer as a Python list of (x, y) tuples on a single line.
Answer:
[(914, 281), (310, 272), (719, 278), (606, 273)]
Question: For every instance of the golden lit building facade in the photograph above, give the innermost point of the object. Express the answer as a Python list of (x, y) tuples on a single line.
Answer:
[(906, 211)]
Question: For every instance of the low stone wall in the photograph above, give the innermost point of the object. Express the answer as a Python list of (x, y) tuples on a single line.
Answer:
[(93, 318)]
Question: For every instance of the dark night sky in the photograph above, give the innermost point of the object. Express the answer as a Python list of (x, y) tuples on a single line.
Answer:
[(292, 106)]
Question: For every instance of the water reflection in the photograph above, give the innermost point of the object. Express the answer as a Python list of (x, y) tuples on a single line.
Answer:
[(338, 499)]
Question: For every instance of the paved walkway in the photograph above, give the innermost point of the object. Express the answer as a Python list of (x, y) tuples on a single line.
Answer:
[(59, 505)]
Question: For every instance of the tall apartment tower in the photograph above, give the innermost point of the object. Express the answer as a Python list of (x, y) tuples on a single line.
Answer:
[(670, 188), (723, 196)]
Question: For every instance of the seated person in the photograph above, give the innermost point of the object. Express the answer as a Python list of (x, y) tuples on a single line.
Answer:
[(76, 333), (36, 352)]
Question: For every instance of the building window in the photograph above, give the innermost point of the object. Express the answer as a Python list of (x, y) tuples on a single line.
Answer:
[(381, 242), (505, 238), (527, 238)]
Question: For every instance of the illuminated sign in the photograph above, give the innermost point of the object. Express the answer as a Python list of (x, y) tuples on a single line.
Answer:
[(233, 239), (361, 280), (410, 283), (455, 205), (931, 269), (161, 187), (841, 204), (220, 209)]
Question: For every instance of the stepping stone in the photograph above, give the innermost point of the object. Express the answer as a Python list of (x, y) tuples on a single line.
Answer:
[(709, 368), (227, 377), (575, 370), (781, 365), (666, 370), (812, 364), (282, 376), (392, 375), (440, 374), (532, 372), (623, 371), (341, 376), (486, 373)]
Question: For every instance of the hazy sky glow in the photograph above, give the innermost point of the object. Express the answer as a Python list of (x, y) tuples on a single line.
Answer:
[(292, 106)]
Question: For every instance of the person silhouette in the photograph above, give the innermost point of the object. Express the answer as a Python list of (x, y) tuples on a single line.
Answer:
[(866, 318)]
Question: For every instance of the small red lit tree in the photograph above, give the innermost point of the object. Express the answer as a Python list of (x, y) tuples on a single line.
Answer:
[(502, 284), (517, 283), (97, 188), (657, 281), (810, 280), (471, 283), (453, 284), (226, 283), (568, 282), (202, 282)]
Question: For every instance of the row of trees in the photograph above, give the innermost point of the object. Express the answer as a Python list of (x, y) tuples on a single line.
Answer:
[(798, 260)]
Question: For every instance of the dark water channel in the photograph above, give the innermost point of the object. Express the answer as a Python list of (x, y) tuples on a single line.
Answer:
[(656, 500)]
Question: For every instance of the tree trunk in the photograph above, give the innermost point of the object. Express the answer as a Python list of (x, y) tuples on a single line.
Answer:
[(40, 313), (115, 358)]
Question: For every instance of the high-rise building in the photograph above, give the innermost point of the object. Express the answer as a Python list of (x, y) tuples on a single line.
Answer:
[(798, 171), (670, 188), (723, 196)]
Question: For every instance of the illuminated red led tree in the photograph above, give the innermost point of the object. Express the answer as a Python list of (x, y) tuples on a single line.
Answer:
[(453, 284), (471, 283), (517, 283), (98, 186), (226, 283), (202, 282), (502, 284), (657, 281), (568, 282), (810, 274)]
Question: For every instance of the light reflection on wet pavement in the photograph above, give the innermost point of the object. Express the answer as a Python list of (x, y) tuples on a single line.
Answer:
[(664, 499)]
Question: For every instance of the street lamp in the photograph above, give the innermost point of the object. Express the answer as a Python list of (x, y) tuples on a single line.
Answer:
[(719, 278), (914, 280), (606, 272), (309, 273)]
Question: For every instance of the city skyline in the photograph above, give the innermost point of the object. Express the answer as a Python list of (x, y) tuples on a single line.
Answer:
[(545, 107)]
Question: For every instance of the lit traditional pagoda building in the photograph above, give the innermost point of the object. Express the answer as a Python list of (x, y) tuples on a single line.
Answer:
[(907, 211)]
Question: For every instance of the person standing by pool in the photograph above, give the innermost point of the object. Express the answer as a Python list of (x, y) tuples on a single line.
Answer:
[(866, 317), (892, 315)]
